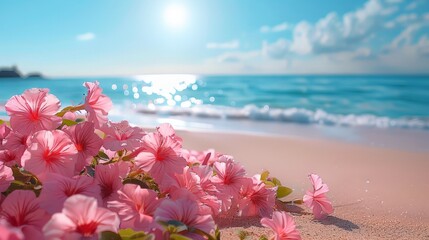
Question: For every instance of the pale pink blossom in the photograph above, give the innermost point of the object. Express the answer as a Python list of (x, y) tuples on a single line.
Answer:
[(60, 188), (50, 152), (9, 158), (167, 130), (81, 218), (21, 210), (70, 116), (135, 207), (187, 212), (121, 136), (8, 232), (160, 157), (97, 105), (256, 199), (86, 141), (229, 177), (34, 110), (191, 182), (6, 177), (109, 177), (283, 226), (4, 131), (15, 144), (316, 198)]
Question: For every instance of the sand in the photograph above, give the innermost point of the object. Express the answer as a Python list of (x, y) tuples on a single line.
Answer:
[(378, 193)]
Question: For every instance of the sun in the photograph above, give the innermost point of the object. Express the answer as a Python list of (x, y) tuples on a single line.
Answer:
[(175, 16)]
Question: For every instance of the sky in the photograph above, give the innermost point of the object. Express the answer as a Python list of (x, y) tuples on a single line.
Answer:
[(131, 37)]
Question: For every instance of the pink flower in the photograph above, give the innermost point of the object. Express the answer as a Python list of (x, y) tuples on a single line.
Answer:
[(81, 218), (50, 152), (160, 157), (283, 226), (256, 199), (86, 141), (229, 177), (9, 158), (34, 110), (135, 206), (187, 212), (7, 232), (21, 210), (109, 177), (6, 177), (121, 136), (97, 105), (316, 198), (16, 144), (167, 130), (60, 188), (4, 131)]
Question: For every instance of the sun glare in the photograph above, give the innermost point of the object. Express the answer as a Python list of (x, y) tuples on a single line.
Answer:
[(175, 16)]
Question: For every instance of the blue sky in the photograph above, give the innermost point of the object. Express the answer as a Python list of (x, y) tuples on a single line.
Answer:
[(110, 37)]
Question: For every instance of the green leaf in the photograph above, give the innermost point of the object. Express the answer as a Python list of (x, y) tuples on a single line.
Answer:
[(276, 182), (130, 234), (69, 122), (176, 236), (263, 237), (108, 235), (103, 155), (283, 191), (269, 184), (1, 121), (264, 175)]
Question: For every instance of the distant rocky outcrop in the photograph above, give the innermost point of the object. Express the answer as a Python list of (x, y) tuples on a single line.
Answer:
[(35, 75), (13, 72)]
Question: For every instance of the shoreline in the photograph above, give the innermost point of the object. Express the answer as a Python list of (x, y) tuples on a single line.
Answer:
[(377, 193)]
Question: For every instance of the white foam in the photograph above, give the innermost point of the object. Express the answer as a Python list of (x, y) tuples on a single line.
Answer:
[(295, 115)]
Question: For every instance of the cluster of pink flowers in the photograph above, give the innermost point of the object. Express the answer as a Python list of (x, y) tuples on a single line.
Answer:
[(66, 176)]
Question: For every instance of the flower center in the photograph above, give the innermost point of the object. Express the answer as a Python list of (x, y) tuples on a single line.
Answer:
[(79, 147), (87, 229)]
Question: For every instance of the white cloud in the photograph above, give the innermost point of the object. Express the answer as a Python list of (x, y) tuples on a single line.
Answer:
[(334, 34), (85, 36), (277, 28), (276, 50), (394, 1), (224, 45), (404, 18), (233, 57), (426, 17)]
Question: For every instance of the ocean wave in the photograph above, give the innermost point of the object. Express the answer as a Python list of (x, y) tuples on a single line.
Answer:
[(293, 115)]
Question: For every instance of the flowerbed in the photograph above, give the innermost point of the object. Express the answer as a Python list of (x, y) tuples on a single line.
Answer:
[(64, 176)]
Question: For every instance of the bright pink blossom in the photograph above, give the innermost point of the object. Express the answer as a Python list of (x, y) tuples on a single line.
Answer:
[(283, 226), (135, 206), (316, 198), (160, 157), (121, 136), (21, 210), (86, 141), (50, 152), (32, 111), (229, 177), (6, 177), (60, 188), (256, 199), (97, 105), (109, 177), (81, 218), (187, 212), (9, 158)]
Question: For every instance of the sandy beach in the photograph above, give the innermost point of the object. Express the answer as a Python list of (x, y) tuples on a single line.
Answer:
[(378, 193)]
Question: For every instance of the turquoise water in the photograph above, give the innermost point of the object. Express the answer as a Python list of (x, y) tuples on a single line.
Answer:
[(379, 101)]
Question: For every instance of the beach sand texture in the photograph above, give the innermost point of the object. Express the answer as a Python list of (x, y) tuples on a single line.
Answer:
[(378, 193)]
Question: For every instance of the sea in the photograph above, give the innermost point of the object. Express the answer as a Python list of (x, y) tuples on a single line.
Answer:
[(386, 111)]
